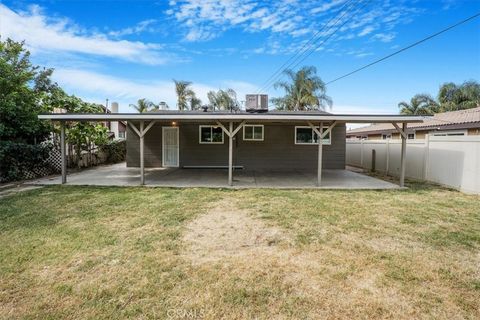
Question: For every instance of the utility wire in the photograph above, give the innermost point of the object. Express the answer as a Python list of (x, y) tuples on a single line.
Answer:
[(358, 9), (332, 34), (407, 47), (312, 39)]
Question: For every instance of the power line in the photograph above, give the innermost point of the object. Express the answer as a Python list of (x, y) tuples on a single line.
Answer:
[(332, 34), (309, 52), (312, 39), (406, 48)]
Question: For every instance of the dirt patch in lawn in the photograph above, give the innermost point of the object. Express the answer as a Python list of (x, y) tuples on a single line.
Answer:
[(226, 231)]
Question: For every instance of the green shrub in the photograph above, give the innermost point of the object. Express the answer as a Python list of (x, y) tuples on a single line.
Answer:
[(114, 151), (17, 159)]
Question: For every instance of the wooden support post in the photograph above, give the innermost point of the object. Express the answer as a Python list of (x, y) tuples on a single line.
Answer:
[(320, 156), (230, 154), (403, 155), (142, 162), (63, 152)]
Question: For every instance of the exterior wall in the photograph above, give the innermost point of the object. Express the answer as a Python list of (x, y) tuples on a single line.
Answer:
[(474, 132), (420, 134), (374, 137), (276, 151)]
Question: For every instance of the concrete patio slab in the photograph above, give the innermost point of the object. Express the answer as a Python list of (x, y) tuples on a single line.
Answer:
[(120, 175)]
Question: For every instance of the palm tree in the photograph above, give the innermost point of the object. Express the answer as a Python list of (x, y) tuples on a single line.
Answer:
[(184, 93), (458, 97), (143, 105), (195, 103), (223, 99), (304, 90), (420, 104)]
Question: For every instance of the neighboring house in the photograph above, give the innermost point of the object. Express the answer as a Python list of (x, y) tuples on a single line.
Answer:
[(453, 123)]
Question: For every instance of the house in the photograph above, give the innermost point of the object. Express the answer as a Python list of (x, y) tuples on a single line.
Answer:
[(453, 123), (269, 140)]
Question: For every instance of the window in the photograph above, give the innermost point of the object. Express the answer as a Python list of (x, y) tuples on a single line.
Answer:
[(411, 136), (210, 135), (449, 133), (386, 136), (306, 135), (253, 132), (121, 134)]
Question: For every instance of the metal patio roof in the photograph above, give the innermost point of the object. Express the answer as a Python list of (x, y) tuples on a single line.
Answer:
[(231, 116)]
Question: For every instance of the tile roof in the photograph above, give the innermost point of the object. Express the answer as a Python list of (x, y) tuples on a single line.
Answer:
[(438, 120)]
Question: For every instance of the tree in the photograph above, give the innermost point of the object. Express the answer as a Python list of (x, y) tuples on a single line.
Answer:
[(453, 97), (420, 104), (144, 105), (23, 90), (223, 99), (81, 136), (304, 90), (195, 103), (184, 93)]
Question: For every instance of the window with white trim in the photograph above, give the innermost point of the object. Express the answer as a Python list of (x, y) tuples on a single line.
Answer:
[(210, 135), (306, 135), (386, 136), (411, 136), (253, 132), (121, 134)]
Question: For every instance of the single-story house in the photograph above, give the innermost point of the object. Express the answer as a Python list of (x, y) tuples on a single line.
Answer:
[(453, 123), (251, 140)]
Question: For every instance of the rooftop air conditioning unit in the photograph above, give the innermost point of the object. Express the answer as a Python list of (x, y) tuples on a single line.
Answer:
[(256, 103)]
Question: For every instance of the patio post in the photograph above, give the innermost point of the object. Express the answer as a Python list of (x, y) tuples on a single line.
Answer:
[(63, 152), (230, 154), (142, 164), (320, 156), (404, 151)]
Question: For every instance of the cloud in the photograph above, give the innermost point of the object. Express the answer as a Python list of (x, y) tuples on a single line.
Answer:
[(384, 37), (206, 19), (366, 30), (327, 6), (44, 34), (140, 27), (96, 87)]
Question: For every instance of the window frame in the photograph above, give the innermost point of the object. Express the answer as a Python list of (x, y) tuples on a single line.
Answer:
[(211, 132), (325, 142), (447, 133), (121, 135), (414, 136), (386, 136), (253, 126)]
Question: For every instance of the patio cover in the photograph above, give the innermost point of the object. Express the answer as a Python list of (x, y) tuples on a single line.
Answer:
[(315, 119)]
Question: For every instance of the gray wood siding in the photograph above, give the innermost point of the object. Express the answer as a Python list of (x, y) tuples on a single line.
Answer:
[(277, 151)]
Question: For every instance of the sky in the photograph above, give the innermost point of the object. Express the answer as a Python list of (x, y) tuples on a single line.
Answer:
[(127, 50)]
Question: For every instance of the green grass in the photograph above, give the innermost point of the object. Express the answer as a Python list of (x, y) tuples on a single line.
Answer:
[(100, 252)]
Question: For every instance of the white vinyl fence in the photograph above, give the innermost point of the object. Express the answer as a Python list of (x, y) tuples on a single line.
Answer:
[(451, 161)]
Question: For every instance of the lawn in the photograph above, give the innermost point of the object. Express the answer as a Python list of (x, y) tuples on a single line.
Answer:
[(94, 252)]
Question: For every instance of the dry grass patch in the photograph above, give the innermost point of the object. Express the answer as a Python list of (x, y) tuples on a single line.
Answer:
[(150, 253)]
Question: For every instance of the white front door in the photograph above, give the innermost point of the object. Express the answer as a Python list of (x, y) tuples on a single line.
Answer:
[(170, 146)]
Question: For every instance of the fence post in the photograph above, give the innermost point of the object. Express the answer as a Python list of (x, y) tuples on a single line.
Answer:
[(373, 159), (387, 164), (426, 156), (361, 153)]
